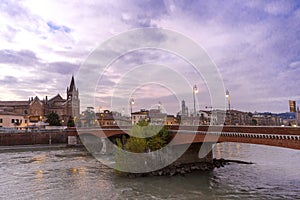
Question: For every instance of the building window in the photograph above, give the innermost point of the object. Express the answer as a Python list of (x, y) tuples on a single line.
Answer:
[(1, 120), (12, 121), (25, 112), (25, 121)]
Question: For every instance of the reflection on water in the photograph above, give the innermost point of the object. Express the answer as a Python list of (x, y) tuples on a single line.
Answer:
[(228, 150), (39, 175), (39, 158), (73, 174)]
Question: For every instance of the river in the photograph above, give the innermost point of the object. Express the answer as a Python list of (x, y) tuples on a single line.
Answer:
[(72, 173)]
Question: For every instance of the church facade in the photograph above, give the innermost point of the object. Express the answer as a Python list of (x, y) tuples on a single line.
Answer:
[(35, 110)]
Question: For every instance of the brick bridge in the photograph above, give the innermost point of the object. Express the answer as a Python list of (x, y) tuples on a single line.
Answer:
[(288, 137), (200, 139)]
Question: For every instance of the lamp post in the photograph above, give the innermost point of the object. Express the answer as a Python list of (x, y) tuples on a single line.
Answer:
[(297, 116), (195, 91), (131, 104), (159, 106), (228, 99)]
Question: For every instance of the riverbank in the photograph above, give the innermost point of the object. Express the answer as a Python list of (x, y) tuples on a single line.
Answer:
[(38, 147)]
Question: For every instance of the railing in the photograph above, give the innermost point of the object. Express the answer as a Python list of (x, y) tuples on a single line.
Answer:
[(242, 135)]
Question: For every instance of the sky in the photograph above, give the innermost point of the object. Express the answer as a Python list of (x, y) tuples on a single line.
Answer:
[(255, 46)]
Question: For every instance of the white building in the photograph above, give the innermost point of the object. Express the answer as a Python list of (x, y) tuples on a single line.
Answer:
[(138, 116), (12, 120)]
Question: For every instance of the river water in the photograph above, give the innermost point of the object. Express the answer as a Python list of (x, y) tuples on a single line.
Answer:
[(73, 174)]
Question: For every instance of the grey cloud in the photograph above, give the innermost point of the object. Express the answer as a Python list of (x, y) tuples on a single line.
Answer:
[(295, 65), (22, 57), (8, 80), (105, 80), (12, 8), (142, 13), (63, 67), (10, 33)]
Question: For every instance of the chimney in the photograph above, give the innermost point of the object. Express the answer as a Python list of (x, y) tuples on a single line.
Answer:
[(46, 99)]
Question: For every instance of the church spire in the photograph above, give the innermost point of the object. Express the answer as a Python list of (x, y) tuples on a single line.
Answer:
[(72, 85)]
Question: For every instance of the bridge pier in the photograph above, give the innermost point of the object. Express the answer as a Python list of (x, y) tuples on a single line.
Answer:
[(190, 157), (196, 153), (189, 161)]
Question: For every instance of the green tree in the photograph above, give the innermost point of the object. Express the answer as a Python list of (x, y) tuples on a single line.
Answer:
[(53, 119), (143, 123), (254, 122), (159, 140), (71, 122), (136, 145), (145, 137)]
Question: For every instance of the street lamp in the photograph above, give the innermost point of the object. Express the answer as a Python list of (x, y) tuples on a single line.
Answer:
[(228, 99), (159, 106), (195, 91), (131, 104)]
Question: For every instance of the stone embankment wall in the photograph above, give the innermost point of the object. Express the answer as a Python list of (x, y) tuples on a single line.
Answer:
[(32, 138)]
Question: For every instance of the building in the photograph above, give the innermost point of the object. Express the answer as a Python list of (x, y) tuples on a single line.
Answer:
[(35, 110), (298, 116), (292, 105), (236, 117), (110, 118), (12, 120), (287, 119), (204, 117), (140, 115), (184, 109), (157, 117), (153, 116), (171, 120), (266, 119)]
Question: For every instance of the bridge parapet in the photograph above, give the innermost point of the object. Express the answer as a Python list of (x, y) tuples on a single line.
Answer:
[(243, 129)]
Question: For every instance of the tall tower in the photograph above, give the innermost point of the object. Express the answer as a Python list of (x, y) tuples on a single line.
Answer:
[(73, 99), (184, 109)]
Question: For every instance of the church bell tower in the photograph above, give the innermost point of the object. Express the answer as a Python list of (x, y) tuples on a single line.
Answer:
[(73, 99)]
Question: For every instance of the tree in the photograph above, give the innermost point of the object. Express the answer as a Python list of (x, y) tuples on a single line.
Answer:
[(145, 137), (158, 141), (254, 122), (53, 119), (71, 122)]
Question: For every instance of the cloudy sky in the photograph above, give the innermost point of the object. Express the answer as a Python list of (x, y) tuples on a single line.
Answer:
[(254, 44)]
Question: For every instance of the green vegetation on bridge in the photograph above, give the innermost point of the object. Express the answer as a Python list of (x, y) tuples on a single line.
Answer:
[(145, 138)]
